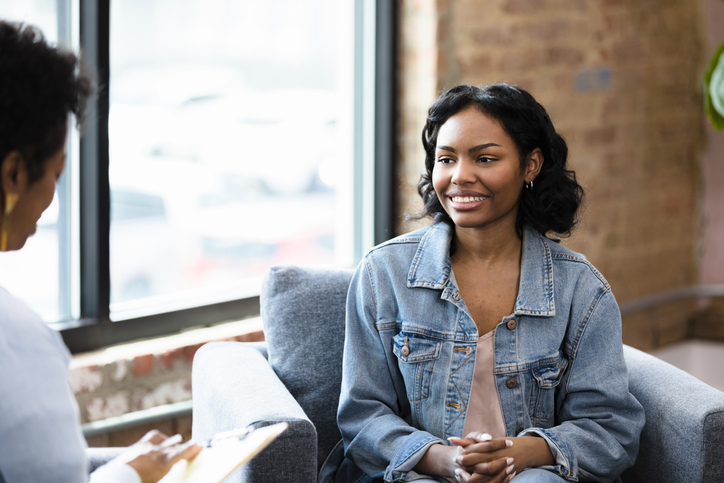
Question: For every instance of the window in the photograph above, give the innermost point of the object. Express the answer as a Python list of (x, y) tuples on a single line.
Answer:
[(230, 136)]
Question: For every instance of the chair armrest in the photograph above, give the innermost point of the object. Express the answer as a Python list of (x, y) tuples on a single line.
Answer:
[(233, 387), (683, 438)]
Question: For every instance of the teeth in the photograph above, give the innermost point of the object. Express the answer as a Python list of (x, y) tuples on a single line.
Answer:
[(467, 199)]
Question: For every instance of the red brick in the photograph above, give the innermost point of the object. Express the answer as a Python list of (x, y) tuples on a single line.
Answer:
[(142, 365), (189, 352), (167, 359)]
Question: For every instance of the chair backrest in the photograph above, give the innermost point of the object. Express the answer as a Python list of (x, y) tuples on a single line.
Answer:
[(303, 313)]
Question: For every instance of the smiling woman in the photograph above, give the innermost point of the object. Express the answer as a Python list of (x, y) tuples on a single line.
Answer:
[(478, 176), (501, 350)]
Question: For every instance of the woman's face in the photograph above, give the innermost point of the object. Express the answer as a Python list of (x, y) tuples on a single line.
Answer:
[(477, 175), (33, 200)]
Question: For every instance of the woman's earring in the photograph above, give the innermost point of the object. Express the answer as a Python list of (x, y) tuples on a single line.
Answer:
[(11, 200), (530, 185)]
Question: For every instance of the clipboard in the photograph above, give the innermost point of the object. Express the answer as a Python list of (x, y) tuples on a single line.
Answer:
[(224, 455)]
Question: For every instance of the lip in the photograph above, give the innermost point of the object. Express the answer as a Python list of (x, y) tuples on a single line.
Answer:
[(476, 199)]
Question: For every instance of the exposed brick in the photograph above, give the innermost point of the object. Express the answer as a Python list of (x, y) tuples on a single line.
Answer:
[(168, 359), (189, 352), (523, 6), (143, 365), (85, 379), (108, 407)]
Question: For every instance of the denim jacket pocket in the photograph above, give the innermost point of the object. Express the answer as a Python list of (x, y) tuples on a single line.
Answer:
[(547, 376), (416, 358)]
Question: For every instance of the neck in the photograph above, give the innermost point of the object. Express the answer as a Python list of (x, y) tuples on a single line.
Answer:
[(490, 244)]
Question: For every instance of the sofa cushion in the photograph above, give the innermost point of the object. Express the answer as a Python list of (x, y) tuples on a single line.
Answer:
[(303, 314)]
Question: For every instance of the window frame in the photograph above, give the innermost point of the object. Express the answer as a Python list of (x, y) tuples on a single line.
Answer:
[(374, 147)]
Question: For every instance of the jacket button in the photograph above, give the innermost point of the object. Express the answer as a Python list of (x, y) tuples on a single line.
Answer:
[(511, 383), (512, 324), (456, 295), (405, 351)]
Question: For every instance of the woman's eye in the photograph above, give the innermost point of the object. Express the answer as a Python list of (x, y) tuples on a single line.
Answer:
[(485, 159), (444, 160)]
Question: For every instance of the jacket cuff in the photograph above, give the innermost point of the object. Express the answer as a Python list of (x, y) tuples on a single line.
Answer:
[(566, 462), (409, 454)]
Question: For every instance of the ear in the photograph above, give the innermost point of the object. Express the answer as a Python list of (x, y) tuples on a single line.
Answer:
[(13, 175), (533, 165)]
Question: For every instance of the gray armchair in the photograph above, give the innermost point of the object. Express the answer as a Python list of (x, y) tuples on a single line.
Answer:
[(295, 377)]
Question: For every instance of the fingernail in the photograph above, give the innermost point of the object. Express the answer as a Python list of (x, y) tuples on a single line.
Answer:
[(458, 459), (485, 436), (458, 472), (510, 468), (509, 461), (508, 443), (513, 475)]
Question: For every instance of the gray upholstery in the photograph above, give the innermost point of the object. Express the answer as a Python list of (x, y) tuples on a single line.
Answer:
[(234, 387), (303, 313), (684, 432)]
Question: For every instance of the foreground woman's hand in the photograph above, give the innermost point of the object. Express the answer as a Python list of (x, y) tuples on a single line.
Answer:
[(498, 460), (154, 455), (483, 459)]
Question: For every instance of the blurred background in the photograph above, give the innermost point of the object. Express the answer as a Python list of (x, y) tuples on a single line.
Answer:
[(622, 82)]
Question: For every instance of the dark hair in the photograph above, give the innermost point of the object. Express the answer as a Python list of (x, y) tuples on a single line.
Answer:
[(551, 205), (39, 87)]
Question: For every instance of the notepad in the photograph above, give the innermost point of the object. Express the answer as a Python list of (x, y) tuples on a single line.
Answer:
[(215, 463)]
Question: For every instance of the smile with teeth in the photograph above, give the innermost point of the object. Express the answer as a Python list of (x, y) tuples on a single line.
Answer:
[(467, 199)]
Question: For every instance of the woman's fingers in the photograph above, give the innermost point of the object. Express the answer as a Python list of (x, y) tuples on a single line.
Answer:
[(495, 467), (488, 446), (153, 437), (186, 451), (495, 472)]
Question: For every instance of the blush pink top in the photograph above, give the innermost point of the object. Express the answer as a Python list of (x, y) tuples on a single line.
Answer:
[(484, 412)]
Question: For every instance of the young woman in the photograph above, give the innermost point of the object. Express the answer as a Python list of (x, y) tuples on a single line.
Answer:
[(480, 325), (40, 435)]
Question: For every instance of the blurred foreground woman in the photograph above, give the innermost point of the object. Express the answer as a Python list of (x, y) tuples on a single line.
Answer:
[(40, 434)]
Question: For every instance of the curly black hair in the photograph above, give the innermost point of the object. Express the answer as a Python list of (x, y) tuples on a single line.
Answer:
[(39, 87), (552, 204)]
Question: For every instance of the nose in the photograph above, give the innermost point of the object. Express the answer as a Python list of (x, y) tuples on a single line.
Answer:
[(463, 173)]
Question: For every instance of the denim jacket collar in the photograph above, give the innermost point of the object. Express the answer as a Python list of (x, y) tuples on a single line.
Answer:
[(431, 268)]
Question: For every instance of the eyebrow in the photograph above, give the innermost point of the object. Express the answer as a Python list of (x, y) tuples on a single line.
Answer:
[(471, 150)]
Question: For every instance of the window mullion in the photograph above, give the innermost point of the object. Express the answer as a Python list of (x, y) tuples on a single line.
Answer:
[(94, 184)]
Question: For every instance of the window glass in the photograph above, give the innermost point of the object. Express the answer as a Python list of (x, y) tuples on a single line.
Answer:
[(38, 274), (225, 151)]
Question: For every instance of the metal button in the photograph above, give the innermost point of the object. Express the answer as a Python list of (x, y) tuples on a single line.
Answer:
[(456, 296), (405, 351), (511, 383), (512, 324)]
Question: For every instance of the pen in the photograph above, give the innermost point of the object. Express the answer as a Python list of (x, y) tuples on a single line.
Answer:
[(239, 434)]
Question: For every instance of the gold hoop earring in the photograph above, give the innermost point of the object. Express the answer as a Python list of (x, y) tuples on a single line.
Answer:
[(11, 200)]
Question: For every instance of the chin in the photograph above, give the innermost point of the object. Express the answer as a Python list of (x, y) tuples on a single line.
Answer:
[(17, 245)]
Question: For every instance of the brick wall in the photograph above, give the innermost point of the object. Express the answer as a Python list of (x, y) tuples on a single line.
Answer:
[(620, 80), (142, 375)]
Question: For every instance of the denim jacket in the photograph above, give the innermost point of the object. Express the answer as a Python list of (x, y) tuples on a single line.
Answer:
[(409, 359)]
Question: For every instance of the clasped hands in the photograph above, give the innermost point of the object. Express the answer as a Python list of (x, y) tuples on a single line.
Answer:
[(483, 459), (480, 458)]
